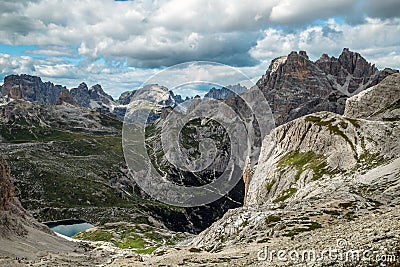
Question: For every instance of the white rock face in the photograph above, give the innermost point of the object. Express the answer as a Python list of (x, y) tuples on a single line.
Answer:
[(315, 149), (376, 102), (277, 62)]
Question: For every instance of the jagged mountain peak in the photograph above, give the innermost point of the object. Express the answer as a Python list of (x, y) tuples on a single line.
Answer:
[(301, 53), (126, 97), (275, 63), (97, 88), (30, 88), (83, 86), (65, 97), (225, 92), (295, 86), (350, 72), (350, 59), (93, 97)]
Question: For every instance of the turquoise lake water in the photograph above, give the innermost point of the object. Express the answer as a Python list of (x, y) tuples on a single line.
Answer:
[(72, 229)]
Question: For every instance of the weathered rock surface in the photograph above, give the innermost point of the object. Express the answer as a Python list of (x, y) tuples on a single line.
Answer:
[(14, 219), (6, 186), (378, 103), (318, 171), (376, 234), (350, 72)]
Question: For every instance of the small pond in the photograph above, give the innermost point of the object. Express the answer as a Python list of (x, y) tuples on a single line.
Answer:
[(69, 227)]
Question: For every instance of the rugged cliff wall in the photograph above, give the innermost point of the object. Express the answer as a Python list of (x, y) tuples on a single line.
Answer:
[(320, 170), (14, 219), (6, 186), (307, 153), (296, 86)]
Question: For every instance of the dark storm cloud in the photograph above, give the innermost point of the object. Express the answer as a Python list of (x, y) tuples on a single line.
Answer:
[(18, 25), (382, 8)]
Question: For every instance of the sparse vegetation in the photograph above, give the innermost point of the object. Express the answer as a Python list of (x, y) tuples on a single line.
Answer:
[(270, 185), (196, 250), (369, 160), (350, 216), (98, 235), (333, 128), (354, 122), (346, 205), (390, 107), (285, 195), (141, 238), (309, 160), (272, 219), (311, 227)]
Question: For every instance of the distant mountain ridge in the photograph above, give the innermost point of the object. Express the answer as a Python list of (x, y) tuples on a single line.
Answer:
[(31, 88), (293, 86), (92, 97), (225, 92)]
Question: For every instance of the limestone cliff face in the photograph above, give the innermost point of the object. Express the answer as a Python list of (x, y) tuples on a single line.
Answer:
[(293, 85), (350, 70), (14, 219), (6, 185), (318, 170), (378, 103), (307, 153)]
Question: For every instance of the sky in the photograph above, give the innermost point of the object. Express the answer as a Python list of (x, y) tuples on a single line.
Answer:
[(121, 44)]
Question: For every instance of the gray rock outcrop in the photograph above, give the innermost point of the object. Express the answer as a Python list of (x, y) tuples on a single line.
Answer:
[(378, 103)]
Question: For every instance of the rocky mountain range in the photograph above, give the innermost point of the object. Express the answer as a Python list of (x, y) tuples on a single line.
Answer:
[(323, 193), (332, 162), (93, 97), (33, 110), (295, 86), (31, 88)]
